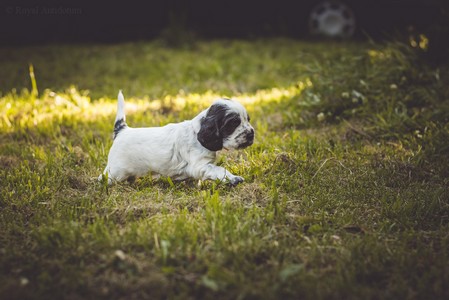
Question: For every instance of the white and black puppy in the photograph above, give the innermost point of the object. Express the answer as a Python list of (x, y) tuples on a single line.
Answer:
[(181, 150)]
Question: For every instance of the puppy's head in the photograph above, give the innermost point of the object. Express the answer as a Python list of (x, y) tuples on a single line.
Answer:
[(225, 125)]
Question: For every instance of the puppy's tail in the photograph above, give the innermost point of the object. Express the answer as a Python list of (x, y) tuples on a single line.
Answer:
[(120, 119)]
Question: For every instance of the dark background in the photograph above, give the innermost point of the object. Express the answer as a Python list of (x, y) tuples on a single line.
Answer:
[(30, 22)]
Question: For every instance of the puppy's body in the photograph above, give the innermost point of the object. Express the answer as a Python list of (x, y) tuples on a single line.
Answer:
[(182, 150), (138, 151)]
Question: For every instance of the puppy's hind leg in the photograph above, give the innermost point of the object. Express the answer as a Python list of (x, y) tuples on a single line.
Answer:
[(105, 176), (115, 175)]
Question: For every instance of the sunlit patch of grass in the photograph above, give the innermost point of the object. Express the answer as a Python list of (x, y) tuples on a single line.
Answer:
[(27, 110), (345, 192)]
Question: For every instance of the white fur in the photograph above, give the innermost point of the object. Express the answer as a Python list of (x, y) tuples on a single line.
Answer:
[(172, 150)]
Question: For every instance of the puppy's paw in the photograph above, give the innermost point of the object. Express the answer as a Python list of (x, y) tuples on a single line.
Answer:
[(236, 180)]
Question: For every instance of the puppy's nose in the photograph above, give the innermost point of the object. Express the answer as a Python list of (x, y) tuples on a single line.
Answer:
[(250, 135)]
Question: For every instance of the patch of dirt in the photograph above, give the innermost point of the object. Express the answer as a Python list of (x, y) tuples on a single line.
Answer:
[(9, 161)]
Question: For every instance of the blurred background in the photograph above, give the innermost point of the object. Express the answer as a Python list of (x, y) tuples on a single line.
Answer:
[(29, 21)]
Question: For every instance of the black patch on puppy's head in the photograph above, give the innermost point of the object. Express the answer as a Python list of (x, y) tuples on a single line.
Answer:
[(218, 124)]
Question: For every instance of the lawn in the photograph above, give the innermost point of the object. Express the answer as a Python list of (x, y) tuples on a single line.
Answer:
[(346, 192)]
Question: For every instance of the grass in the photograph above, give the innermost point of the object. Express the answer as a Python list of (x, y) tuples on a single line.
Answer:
[(346, 192)]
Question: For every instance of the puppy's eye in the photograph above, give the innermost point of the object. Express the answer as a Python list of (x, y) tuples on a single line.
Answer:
[(249, 119), (230, 125), (233, 123)]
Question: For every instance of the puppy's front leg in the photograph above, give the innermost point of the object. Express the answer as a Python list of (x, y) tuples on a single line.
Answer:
[(214, 172)]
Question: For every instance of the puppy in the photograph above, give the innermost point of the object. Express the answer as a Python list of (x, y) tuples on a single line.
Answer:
[(181, 150)]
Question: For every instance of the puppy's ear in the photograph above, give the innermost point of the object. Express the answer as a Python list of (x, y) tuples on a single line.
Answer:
[(210, 136)]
